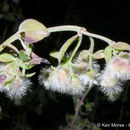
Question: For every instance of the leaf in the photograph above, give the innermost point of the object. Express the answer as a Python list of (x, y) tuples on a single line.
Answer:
[(121, 46), (34, 31), (99, 54), (23, 56), (65, 47), (30, 75), (54, 54), (23, 64), (84, 54), (5, 57), (108, 53)]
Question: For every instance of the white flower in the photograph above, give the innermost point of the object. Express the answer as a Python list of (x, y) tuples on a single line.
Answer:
[(86, 80), (2, 80), (18, 88), (110, 84), (75, 85), (44, 76), (120, 67), (61, 80)]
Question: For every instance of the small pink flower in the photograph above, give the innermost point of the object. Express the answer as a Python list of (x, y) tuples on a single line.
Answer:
[(120, 67), (110, 84)]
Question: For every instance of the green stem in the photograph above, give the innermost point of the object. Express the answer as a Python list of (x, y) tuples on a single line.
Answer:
[(79, 104), (68, 61), (9, 41), (76, 48), (90, 62), (91, 52), (91, 45), (79, 29)]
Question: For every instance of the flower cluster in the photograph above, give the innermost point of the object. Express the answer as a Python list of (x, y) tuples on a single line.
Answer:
[(11, 81), (70, 78), (74, 77), (116, 72)]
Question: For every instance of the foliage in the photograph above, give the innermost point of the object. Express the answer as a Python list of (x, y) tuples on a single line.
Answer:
[(75, 74)]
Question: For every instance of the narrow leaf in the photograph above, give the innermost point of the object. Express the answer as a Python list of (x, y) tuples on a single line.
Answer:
[(121, 46), (5, 57), (54, 54), (108, 53), (30, 75), (65, 47), (99, 54), (84, 54)]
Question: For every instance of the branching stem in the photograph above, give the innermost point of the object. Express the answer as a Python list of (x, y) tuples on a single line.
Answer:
[(81, 30)]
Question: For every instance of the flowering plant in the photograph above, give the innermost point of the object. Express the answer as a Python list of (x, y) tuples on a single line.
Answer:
[(76, 72)]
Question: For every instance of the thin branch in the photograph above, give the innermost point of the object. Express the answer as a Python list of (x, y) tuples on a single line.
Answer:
[(79, 104), (81, 30), (23, 44), (9, 41), (13, 48)]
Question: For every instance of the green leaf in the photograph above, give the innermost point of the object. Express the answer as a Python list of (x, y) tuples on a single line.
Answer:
[(99, 54), (5, 57), (23, 56), (54, 54), (84, 54), (34, 31), (65, 47), (121, 46), (108, 53), (26, 66), (23, 64), (30, 75)]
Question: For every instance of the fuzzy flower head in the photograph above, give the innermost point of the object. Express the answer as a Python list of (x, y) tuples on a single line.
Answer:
[(2, 80), (121, 67), (11, 81), (89, 78), (110, 84), (61, 80), (115, 72), (76, 85), (44, 76), (80, 66), (55, 79), (18, 88)]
